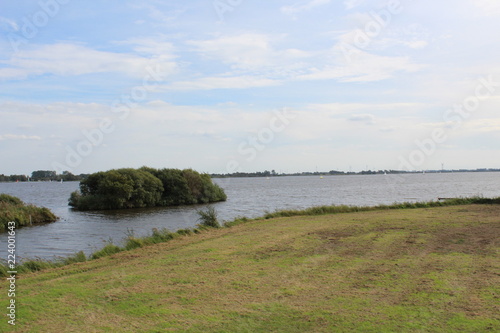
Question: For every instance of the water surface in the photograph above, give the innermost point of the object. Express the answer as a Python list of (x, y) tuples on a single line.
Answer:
[(249, 197)]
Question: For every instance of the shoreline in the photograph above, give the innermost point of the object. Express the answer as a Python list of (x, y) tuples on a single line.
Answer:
[(132, 242), (430, 268)]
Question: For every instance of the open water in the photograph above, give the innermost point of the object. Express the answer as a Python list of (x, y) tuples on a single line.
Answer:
[(250, 197)]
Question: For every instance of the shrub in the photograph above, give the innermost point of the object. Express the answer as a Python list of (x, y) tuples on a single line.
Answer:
[(9, 199), (12, 209), (145, 187), (208, 218)]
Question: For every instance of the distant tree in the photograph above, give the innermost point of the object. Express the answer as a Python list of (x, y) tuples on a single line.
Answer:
[(43, 175), (68, 176), (15, 178)]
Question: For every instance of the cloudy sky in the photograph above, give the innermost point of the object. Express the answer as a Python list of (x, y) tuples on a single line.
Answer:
[(228, 85)]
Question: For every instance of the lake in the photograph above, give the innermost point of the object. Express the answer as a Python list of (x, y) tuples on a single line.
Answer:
[(250, 197)]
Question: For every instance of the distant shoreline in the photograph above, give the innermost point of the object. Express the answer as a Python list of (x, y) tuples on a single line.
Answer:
[(342, 173), (306, 173)]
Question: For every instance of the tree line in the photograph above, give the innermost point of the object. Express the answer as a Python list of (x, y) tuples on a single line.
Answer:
[(145, 187), (43, 175), (273, 173)]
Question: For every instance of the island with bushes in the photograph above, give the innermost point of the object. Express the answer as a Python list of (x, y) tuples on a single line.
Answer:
[(145, 187), (13, 209)]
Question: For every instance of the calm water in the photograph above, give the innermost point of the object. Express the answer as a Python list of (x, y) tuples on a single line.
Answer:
[(249, 197)]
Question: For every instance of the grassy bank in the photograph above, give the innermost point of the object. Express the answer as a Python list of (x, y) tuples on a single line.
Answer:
[(209, 220), (323, 210), (13, 209), (407, 270)]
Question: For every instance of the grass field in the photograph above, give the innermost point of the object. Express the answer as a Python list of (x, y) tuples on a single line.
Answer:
[(412, 270)]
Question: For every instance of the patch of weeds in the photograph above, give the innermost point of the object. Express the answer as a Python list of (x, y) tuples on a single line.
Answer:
[(108, 250), (208, 218), (236, 221)]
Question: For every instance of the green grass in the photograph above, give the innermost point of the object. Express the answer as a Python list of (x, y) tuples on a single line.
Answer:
[(433, 269), (209, 219), (322, 210), (12, 209)]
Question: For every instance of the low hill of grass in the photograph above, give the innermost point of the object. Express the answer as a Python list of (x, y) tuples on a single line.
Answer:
[(412, 270), (12, 209)]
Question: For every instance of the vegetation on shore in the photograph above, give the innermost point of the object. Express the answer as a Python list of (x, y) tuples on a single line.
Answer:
[(145, 187), (43, 175), (208, 220), (407, 270), (273, 173), (322, 210), (13, 209)]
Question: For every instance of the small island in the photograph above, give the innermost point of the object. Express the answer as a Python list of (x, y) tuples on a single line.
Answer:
[(145, 187), (13, 209)]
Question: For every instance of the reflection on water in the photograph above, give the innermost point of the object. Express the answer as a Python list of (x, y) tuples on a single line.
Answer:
[(249, 197)]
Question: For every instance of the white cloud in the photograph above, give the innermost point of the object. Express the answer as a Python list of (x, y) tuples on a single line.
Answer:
[(350, 4), (365, 67), (159, 16), (19, 137), (151, 46), (488, 7), (6, 22), (248, 51), (344, 124), (417, 44), (235, 82), (413, 37), (480, 126), (366, 118), (66, 59), (303, 6)]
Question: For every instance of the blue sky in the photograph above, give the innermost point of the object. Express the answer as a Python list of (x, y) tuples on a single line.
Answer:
[(228, 85)]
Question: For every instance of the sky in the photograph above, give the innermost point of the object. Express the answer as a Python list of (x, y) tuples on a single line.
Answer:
[(222, 86)]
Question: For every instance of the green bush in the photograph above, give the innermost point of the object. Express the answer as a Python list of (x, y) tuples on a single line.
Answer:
[(12, 209), (208, 218), (145, 187), (9, 199)]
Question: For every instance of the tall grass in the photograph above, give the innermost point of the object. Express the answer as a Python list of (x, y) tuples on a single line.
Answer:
[(158, 236), (12, 209), (38, 264), (324, 210)]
